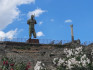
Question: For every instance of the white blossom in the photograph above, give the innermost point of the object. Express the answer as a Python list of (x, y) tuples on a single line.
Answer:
[(54, 60), (39, 65), (79, 49), (61, 61), (73, 57)]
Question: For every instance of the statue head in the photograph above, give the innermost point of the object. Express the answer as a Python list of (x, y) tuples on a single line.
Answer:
[(32, 17)]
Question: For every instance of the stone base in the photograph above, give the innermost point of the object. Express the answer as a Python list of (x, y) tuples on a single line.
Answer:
[(33, 41)]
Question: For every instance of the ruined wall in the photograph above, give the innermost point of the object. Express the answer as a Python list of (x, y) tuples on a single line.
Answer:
[(35, 52)]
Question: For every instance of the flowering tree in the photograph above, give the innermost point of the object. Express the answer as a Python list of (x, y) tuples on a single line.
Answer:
[(9, 64), (75, 60)]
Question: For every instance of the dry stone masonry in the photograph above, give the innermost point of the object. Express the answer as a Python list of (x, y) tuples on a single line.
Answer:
[(37, 53)]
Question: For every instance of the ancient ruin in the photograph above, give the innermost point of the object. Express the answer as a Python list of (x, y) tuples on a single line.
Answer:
[(72, 35)]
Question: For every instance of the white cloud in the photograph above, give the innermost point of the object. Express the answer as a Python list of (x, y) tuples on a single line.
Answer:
[(9, 11), (39, 34), (9, 34), (52, 20), (68, 21), (40, 23), (37, 12)]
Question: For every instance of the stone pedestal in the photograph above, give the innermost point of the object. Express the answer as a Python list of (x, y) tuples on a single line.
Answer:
[(33, 41)]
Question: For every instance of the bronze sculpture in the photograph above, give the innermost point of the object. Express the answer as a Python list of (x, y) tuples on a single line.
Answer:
[(31, 23)]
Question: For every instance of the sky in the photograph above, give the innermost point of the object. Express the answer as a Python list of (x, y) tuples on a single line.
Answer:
[(53, 17)]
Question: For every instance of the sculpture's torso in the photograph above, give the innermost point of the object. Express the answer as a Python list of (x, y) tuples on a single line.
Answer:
[(31, 24)]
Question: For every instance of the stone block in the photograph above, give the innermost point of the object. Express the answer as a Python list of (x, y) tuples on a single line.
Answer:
[(33, 41)]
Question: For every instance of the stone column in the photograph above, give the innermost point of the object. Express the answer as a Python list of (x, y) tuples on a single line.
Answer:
[(72, 35)]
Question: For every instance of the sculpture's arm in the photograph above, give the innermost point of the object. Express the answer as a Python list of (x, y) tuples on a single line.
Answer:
[(35, 22), (28, 22)]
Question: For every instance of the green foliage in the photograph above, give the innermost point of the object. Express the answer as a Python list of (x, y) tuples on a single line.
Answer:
[(62, 67), (8, 64), (79, 68), (75, 59), (20, 66), (5, 65), (56, 61), (90, 66), (24, 48), (43, 69), (78, 58)]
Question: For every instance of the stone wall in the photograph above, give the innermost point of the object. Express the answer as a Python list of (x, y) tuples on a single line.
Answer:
[(36, 52)]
